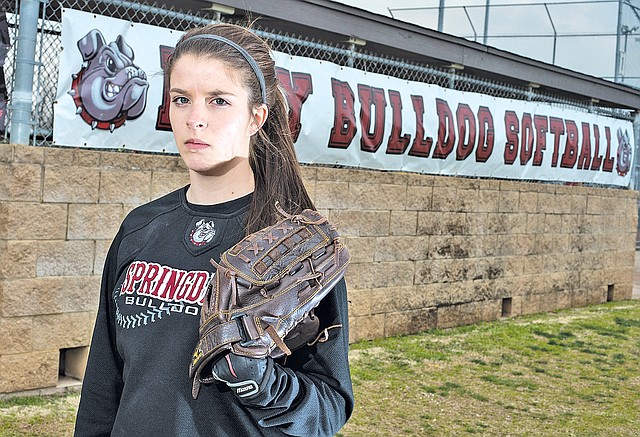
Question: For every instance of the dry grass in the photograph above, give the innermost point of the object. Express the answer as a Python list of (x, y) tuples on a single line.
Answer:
[(570, 373), (41, 416)]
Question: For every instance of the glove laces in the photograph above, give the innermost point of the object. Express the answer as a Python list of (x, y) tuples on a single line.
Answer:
[(299, 218)]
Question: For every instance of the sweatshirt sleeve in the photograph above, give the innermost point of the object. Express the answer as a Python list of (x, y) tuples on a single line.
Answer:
[(311, 395), (102, 384)]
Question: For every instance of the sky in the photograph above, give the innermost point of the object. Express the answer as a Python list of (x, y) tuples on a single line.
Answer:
[(585, 29)]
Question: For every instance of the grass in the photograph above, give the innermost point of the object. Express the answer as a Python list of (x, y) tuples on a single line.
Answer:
[(38, 416), (569, 373)]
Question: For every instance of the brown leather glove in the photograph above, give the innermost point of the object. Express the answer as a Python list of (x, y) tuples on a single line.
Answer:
[(265, 289)]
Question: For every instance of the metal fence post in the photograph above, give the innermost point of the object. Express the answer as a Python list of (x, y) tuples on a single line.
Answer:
[(22, 95), (635, 173)]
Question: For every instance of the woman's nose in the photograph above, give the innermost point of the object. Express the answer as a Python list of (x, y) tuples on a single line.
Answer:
[(200, 124), (196, 120)]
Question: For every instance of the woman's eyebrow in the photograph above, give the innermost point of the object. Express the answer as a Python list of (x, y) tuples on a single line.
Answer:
[(208, 93), (220, 93)]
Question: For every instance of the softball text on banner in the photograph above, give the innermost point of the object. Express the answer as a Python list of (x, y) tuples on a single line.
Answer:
[(111, 94)]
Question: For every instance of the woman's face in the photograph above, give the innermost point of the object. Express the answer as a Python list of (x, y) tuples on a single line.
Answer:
[(210, 116)]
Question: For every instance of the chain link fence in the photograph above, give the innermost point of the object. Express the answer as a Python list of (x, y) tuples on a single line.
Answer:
[(48, 51)]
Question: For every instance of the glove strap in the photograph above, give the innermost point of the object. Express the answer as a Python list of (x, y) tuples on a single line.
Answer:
[(277, 340), (218, 338), (244, 389)]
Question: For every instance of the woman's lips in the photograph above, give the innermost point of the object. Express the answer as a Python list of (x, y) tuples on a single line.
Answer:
[(194, 144)]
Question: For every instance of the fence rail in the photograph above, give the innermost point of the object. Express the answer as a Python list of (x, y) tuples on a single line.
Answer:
[(48, 50)]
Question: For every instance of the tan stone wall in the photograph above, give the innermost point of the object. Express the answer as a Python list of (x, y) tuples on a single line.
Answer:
[(439, 252), (59, 210), (427, 251)]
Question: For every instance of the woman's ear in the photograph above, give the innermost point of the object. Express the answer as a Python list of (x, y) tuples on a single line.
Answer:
[(260, 114)]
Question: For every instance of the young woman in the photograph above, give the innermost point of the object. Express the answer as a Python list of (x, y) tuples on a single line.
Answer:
[(229, 119)]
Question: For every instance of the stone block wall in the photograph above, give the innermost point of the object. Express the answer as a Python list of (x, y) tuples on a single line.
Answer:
[(427, 251), (437, 252), (59, 210)]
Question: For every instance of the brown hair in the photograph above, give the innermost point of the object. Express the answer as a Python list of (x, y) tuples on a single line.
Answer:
[(272, 155)]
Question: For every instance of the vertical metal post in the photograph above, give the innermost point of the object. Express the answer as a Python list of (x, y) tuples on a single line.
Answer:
[(441, 16), (354, 43), (618, 29), (635, 176), (453, 74), (350, 60), (486, 22), (22, 95), (475, 34), (555, 34), (531, 91), (37, 128)]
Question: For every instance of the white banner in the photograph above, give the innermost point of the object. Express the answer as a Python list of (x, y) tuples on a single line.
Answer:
[(111, 95)]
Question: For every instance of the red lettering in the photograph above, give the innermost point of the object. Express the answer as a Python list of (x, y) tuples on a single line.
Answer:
[(607, 165), (597, 159), (571, 146), (541, 124), (486, 135), (159, 283), (127, 284), (173, 282), (512, 128), (397, 144), (421, 145), (446, 130), (165, 283), (584, 160), (344, 121), (162, 121), (556, 127), (185, 286), (135, 272), (526, 141), (371, 96), (146, 286), (466, 123), (298, 87), (200, 284)]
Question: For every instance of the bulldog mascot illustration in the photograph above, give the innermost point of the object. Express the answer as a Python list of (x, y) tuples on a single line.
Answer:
[(109, 88), (624, 153)]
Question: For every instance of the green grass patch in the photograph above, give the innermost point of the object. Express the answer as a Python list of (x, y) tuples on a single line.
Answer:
[(571, 372)]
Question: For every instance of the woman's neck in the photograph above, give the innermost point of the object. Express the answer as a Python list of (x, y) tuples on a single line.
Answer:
[(211, 189)]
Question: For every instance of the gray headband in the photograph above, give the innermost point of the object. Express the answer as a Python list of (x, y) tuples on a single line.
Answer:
[(244, 53)]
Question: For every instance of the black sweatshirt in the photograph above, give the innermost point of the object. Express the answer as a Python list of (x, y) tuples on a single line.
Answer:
[(154, 280)]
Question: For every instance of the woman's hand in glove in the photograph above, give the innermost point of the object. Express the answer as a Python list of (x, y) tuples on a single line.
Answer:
[(243, 375)]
